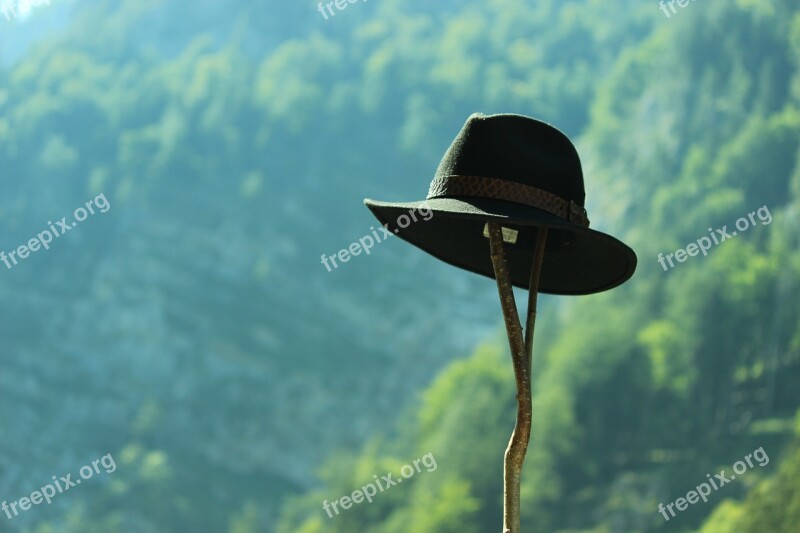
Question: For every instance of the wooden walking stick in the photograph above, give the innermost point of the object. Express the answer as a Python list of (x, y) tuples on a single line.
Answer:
[(521, 356)]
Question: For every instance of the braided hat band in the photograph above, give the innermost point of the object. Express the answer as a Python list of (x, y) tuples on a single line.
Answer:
[(500, 189)]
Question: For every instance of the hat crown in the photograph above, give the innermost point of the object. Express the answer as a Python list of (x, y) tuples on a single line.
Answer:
[(519, 149)]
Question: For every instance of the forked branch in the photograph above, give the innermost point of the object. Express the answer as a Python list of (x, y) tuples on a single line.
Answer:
[(521, 356)]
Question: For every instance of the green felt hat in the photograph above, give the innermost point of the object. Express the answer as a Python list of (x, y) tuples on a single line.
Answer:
[(524, 174)]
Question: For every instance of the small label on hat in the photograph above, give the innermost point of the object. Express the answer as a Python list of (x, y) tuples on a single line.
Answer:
[(509, 235)]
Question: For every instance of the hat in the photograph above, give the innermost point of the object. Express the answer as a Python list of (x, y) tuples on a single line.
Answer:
[(524, 174)]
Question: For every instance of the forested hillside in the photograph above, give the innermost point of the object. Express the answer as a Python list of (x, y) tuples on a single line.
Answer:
[(193, 332)]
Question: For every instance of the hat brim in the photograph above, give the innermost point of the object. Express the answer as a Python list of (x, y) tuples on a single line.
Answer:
[(577, 260)]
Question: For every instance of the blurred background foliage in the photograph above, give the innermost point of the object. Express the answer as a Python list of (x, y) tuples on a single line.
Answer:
[(192, 332)]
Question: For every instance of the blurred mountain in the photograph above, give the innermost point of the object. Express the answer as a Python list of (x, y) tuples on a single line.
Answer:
[(192, 330)]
